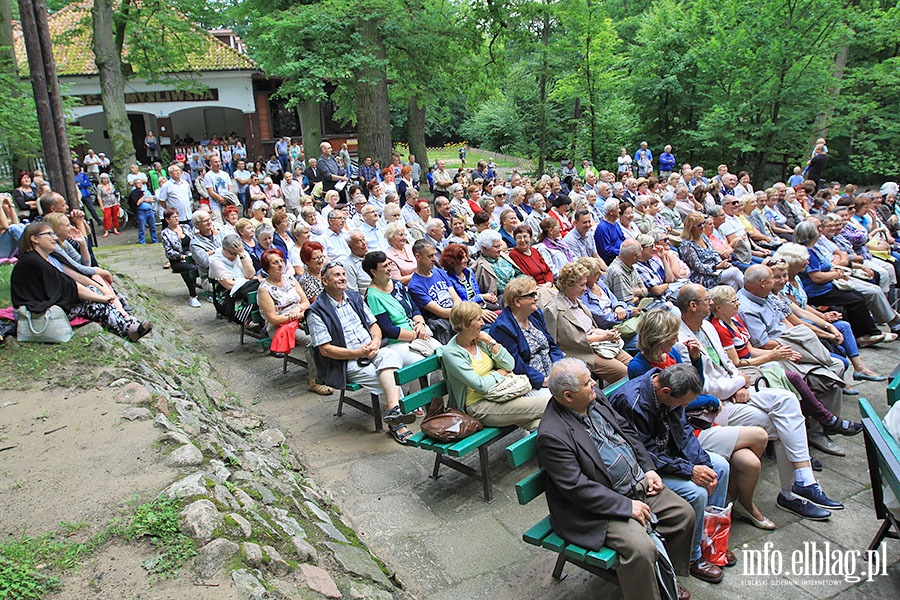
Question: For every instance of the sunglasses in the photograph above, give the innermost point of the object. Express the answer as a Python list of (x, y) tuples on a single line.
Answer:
[(330, 266), (531, 295)]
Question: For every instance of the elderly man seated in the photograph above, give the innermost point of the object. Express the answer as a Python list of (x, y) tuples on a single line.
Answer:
[(602, 489), (203, 244), (622, 278), (776, 411), (654, 404), (608, 236), (230, 266), (771, 328), (348, 340)]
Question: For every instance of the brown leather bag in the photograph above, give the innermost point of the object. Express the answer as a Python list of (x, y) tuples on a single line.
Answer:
[(448, 424)]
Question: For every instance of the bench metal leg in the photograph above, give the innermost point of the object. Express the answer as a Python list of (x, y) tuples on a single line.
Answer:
[(437, 466), (486, 474), (883, 532), (242, 334), (558, 569), (376, 413), (340, 412)]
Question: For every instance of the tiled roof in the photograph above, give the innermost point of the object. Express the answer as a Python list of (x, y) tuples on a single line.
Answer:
[(70, 30)]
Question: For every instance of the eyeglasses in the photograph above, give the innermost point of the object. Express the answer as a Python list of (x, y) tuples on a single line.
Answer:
[(50, 233), (648, 245), (531, 295)]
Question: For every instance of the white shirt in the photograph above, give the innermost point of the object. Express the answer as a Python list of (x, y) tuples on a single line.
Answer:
[(177, 195), (335, 246)]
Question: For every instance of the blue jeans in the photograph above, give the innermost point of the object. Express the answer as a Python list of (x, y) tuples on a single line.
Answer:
[(698, 498), (9, 240), (146, 218)]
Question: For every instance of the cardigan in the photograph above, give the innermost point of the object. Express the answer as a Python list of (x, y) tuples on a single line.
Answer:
[(459, 375), (508, 332)]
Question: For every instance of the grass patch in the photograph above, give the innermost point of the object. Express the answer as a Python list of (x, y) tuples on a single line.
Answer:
[(158, 521), (450, 155), (29, 566), (25, 364)]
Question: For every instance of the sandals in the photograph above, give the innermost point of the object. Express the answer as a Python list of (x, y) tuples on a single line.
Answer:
[(393, 416), (400, 432), (320, 388), (140, 331)]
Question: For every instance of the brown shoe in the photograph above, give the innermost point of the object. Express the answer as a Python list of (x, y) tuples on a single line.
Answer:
[(706, 571), (683, 594), (730, 558), (320, 388)]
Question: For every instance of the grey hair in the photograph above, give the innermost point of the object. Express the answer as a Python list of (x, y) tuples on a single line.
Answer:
[(516, 192), (299, 226), (832, 217), (715, 211), (720, 295), (610, 205), (792, 254), (681, 379), (805, 233), (564, 376), (641, 202), (393, 230), (487, 238), (197, 215), (421, 245), (232, 242), (455, 187), (348, 235), (434, 223), (263, 229)]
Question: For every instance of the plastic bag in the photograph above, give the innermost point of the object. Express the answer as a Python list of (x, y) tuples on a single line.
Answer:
[(716, 530)]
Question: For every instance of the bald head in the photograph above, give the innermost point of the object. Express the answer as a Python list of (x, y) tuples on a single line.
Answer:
[(758, 280), (630, 251)]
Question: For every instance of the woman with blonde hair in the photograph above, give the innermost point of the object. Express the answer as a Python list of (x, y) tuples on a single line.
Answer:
[(696, 250), (571, 324), (473, 363), (399, 252)]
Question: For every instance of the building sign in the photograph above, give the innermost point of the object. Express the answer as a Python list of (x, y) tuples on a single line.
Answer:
[(151, 97)]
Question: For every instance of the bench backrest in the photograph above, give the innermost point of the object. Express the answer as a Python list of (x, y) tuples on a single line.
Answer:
[(883, 453), (893, 388), (422, 368), (520, 452)]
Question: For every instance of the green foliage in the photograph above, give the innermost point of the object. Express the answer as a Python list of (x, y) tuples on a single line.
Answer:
[(158, 521), (29, 565)]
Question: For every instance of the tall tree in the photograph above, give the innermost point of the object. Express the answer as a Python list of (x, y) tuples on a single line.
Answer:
[(107, 49), (315, 44)]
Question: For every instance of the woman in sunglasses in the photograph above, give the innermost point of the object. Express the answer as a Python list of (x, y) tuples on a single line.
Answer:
[(521, 329)]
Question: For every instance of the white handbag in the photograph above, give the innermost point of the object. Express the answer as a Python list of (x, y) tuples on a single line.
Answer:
[(50, 327)]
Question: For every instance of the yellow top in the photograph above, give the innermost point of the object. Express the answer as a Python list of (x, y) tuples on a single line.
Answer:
[(482, 364)]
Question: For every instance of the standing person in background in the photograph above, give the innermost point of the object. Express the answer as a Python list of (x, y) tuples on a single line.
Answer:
[(416, 170), (282, 155), (151, 144), (109, 200), (643, 159), (666, 163), (141, 202)]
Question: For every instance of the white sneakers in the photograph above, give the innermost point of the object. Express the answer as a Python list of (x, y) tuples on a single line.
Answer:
[(194, 302)]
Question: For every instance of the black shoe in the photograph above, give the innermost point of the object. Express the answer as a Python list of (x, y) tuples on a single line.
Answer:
[(815, 464)]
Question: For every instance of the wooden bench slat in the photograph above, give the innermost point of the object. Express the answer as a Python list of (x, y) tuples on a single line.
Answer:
[(605, 558), (416, 439), (531, 487), (418, 369), (554, 542), (423, 397), (893, 391), (576, 552), (888, 449), (466, 445), (536, 533), (521, 451)]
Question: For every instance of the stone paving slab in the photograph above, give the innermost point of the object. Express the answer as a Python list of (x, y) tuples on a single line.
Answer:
[(440, 537)]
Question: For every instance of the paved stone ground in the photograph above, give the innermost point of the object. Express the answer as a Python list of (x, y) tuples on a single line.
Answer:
[(441, 538)]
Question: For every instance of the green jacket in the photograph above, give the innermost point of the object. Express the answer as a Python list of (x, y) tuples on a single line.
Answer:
[(460, 376)]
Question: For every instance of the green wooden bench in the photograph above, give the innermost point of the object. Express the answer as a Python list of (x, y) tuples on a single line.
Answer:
[(883, 455), (893, 388), (262, 336), (600, 562), (447, 453), (372, 409)]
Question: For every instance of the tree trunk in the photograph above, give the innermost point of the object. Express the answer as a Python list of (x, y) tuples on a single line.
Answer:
[(373, 115), (416, 130), (39, 84), (9, 65), (65, 180), (112, 89), (823, 119)]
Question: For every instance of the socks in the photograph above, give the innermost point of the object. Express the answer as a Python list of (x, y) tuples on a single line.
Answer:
[(804, 476)]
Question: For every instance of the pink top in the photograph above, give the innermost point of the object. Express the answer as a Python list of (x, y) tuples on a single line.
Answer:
[(402, 263)]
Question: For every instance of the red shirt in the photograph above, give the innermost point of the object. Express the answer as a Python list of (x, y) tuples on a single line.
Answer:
[(476, 208), (735, 335), (533, 265)]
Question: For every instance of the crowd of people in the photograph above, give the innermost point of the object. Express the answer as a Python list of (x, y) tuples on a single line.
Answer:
[(736, 314)]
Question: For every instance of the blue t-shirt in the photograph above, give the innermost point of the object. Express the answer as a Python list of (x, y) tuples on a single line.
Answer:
[(816, 264), (435, 288)]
